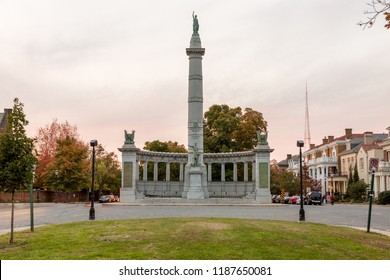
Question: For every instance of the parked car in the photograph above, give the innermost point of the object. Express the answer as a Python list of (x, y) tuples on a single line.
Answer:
[(116, 198), (107, 198), (294, 199), (286, 199), (314, 198), (304, 200), (275, 198)]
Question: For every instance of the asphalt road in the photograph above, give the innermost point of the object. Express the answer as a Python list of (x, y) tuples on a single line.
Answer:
[(338, 214)]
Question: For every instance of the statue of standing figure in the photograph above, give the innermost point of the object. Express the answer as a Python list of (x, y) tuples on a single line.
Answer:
[(195, 156), (129, 137), (195, 23)]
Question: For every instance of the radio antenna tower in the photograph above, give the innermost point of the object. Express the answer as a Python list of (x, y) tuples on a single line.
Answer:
[(307, 125)]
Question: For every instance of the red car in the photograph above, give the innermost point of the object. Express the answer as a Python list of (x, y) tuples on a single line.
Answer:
[(294, 199)]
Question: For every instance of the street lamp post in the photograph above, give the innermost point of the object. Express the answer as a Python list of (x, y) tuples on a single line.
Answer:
[(331, 190), (56, 173), (32, 201), (371, 195), (93, 144), (300, 144)]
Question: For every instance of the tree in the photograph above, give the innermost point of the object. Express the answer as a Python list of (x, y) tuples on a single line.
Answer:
[(108, 171), (350, 175), (377, 7), (16, 156), (166, 147), (228, 130), (47, 142), (308, 182), (71, 160), (286, 180), (355, 174), (357, 190)]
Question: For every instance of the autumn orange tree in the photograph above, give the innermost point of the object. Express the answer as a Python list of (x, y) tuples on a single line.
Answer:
[(73, 165), (47, 142)]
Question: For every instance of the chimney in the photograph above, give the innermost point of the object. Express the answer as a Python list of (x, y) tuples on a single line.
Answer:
[(331, 139), (368, 138), (325, 141), (312, 146), (288, 156), (348, 133)]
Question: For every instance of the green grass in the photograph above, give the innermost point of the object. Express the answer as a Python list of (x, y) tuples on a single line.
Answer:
[(195, 239)]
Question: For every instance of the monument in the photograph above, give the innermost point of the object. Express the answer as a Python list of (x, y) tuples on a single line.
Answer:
[(195, 180), (195, 173)]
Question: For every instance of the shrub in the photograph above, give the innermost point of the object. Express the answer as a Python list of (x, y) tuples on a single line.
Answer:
[(384, 197), (357, 190)]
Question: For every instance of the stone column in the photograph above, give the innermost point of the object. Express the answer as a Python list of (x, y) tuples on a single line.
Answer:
[(129, 173), (155, 171), (145, 171), (263, 177), (209, 172), (195, 180), (235, 172), (181, 172), (246, 171), (253, 171), (223, 172), (167, 171)]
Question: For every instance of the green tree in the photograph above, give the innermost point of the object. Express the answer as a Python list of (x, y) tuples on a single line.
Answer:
[(16, 157), (108, 171), (229, 130), (284, 180), (166, 147), (355, 174), (357, 190), (350, 175)]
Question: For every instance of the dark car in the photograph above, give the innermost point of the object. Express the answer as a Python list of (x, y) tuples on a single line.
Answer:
[(314, 198)]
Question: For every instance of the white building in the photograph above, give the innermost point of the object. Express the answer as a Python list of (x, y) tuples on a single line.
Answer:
[(382, 176)]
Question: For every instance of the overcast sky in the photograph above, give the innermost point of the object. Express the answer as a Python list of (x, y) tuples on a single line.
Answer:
[(106, 66)]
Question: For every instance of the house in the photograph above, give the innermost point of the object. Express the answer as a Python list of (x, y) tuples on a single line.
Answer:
[(3, 119), (370, 149), (382, 175), (330, 161), (291, 164)]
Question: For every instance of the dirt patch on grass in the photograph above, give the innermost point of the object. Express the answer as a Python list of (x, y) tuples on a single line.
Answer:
[(213, 226)]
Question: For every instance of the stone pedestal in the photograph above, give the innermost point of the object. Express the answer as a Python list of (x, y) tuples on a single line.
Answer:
[(129, 173), (195, 184), (263, 178)]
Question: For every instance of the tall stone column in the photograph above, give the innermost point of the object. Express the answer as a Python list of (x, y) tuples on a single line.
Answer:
[(195, 179)]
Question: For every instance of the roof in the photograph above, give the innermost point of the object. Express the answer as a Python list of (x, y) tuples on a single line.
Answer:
[(356, 139), (367, 148), (354, 150)]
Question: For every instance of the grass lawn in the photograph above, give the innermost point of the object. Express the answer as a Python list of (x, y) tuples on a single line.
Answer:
[(195, 239)]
